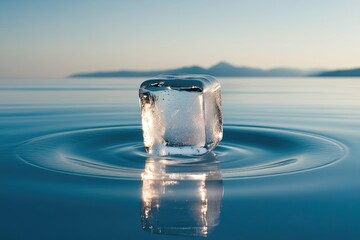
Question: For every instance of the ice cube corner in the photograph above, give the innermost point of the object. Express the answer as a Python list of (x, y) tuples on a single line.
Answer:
[(181, 114)]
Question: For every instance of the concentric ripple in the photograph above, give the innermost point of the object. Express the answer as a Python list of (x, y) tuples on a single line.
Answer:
[(118, 152)]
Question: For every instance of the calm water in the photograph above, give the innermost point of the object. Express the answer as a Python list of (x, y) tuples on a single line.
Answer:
[(73, 164)]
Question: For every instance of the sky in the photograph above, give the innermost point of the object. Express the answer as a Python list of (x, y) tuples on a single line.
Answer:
[(52, 38)]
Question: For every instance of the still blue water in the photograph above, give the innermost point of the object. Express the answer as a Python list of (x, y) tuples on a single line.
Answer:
[(72, 163)]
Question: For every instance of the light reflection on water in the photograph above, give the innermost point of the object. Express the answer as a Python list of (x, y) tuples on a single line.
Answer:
[(311, 119), (186, 201)]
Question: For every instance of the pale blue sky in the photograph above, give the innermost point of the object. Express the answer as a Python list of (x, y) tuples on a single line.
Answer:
[(57, 38)]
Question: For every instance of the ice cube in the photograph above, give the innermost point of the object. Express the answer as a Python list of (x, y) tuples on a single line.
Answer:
[(181, 114)]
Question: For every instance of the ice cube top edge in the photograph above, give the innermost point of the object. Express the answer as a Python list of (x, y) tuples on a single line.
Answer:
[(189, 82)]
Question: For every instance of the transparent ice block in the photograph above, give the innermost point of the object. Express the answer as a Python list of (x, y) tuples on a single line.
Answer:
[(181, 114)]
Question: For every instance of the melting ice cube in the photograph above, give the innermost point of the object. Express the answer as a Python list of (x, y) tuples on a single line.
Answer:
[(181, 114)]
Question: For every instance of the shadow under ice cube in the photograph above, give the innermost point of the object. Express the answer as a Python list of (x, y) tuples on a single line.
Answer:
[(181, 114)]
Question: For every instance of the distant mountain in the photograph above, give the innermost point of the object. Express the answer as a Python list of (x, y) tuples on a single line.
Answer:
[(222, 69), (341, 73)]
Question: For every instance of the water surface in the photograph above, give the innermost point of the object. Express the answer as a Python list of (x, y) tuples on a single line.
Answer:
[(73, 164)]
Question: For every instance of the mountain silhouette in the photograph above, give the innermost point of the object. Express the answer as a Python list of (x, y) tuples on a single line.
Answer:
[(221, 69), (341, 73)]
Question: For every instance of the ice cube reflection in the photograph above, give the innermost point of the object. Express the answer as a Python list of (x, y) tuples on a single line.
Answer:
[(181, 198)]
